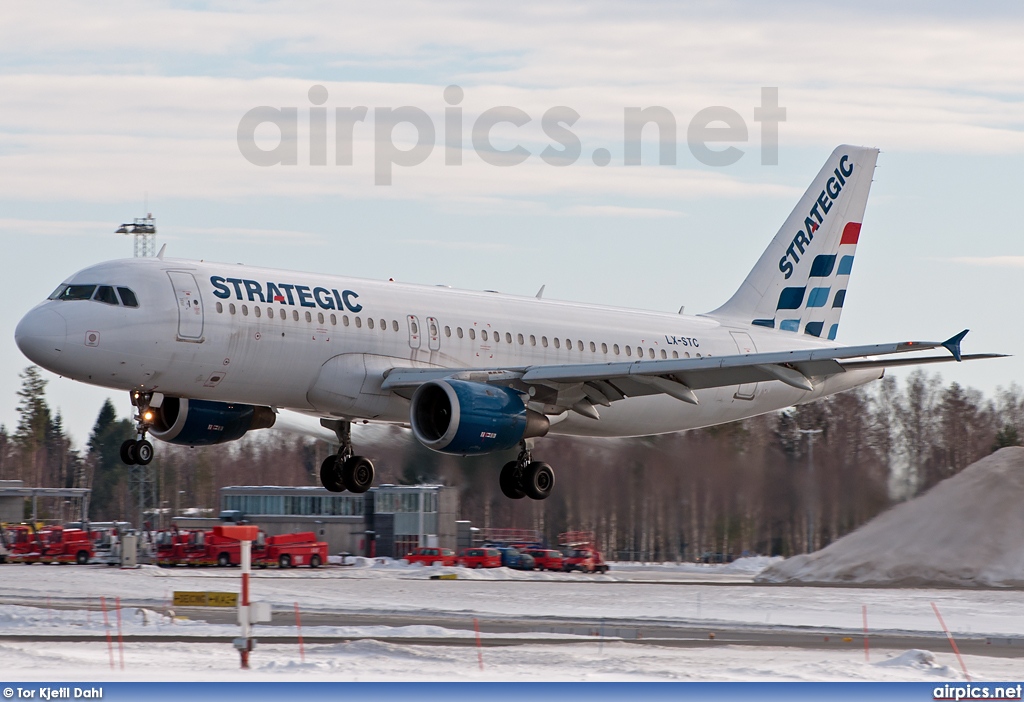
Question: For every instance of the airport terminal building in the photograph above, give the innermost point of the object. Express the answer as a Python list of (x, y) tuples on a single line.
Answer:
[(387, 520)]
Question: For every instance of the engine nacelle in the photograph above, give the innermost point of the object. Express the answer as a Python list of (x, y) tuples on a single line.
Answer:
[(204, 423), (466, 418)]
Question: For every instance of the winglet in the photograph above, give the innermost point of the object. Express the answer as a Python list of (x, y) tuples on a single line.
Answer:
[(161, 254), (953, 344), (540, 293)]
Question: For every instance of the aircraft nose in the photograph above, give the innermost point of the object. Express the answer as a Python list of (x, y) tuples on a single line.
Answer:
[(41, 335)]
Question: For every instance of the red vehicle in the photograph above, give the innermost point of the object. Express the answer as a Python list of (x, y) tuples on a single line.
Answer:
[(431, 555), (56, 545), (172, 546), (584, 555), (18, 539), (547, 559), (480, 558), (291, 550)]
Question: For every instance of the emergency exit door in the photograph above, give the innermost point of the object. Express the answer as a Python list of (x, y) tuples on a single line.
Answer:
[(744, 345)]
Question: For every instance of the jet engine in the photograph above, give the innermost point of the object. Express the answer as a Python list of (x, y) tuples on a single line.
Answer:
[(468, 418), (204, 423)]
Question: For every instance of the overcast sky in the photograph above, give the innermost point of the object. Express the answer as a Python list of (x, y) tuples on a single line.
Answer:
[(109, 108)]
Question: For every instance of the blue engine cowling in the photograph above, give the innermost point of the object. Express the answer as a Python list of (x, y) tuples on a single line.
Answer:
[(204, 423), (466, 418)]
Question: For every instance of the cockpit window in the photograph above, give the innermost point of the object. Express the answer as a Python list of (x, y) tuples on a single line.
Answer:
[(77, 292), (56, 293), (105, 293), (128, 298)]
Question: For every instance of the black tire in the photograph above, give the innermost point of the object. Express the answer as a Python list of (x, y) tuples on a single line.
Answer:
[(128, 452), (357, 474), (285, 561), (538, 480), (314, 561), (81, 558), (510, 487), (330, 475), (223, 560), (143, 452)]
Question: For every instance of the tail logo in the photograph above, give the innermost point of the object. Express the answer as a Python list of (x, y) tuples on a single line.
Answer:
[(816, 215)]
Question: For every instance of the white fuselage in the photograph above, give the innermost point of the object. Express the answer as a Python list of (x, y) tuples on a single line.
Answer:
[(225, 338)]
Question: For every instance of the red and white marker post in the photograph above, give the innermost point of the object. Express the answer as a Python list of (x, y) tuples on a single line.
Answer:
[(245, 534)]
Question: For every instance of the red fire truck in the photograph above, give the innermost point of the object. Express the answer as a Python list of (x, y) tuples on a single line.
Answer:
[(56, 544), (291, 550), (583, 554)]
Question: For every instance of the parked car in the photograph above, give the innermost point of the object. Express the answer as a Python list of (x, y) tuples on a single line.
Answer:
[(480, 558), (431, 555), (712, 557), (547, 559), (514, 558), (587, 560)]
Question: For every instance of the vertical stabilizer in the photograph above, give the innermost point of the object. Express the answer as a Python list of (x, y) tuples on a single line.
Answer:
[(799, 283)]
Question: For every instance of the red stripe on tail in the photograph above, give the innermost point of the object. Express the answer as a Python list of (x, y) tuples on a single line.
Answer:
[(851, 233)]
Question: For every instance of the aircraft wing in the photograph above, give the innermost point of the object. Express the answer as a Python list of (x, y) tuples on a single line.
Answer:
[(602, 383)]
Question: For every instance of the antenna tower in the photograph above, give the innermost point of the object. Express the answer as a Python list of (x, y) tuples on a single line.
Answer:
[(144, 229)]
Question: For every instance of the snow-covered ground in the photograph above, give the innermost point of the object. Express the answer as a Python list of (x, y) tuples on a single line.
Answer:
[(46, 600)]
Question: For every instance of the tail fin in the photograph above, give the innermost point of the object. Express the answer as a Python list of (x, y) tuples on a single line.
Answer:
[(799, 283)]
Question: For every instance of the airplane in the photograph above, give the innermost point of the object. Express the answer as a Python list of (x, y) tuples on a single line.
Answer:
[(211, 351)]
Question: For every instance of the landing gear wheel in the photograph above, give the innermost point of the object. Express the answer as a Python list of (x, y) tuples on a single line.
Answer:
[(357, 474), (538, 479), (128, 453), (510, 483), (143, 452), (330, 474)]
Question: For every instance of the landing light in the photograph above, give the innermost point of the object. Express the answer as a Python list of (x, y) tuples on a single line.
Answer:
[(148, 416)]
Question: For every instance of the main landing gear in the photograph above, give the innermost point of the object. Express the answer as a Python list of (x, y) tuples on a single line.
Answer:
[(344, 471), (525, 477), (139, 451)]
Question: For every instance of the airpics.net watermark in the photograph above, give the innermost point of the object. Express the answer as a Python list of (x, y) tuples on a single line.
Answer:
[(711, 125)]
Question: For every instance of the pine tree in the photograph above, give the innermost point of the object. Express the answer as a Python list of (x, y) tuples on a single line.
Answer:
[(34, 421), (104, 458)]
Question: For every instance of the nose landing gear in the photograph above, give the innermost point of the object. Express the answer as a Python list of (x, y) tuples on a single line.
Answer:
[(525, 477), (139, 451), (344, 471)]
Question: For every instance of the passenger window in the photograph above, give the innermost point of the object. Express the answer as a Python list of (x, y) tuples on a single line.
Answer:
[(359, 322), (394, 325), (245, 310), (579, 345), (270, 312), (472, 333), (383, 325), (639, 352), (533, 340), (650, 352), (508, 338), (295, 315), (369, 323), (558, 343), (220, 307), (105, 294), (415, 327), (483, 335), (629, 352), (604, 347), (664, 354), (344, 319), (544, 341), (309, 317), (256, 311), (231, 308), (519, 338), (615, 349), (78, 292), (675, 354), (447, 331), (593, 347), (334, 320), (284, 314), (319, 317), (128, 298)]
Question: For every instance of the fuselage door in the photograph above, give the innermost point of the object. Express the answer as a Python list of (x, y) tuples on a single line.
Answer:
[(744, 344), (433, 334), (414, 330), (190, 306)]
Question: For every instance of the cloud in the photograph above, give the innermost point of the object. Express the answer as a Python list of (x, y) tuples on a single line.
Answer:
[(991, 261)]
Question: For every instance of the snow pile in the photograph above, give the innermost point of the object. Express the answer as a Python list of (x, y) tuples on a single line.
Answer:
[(966, 531), (919, 660)]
